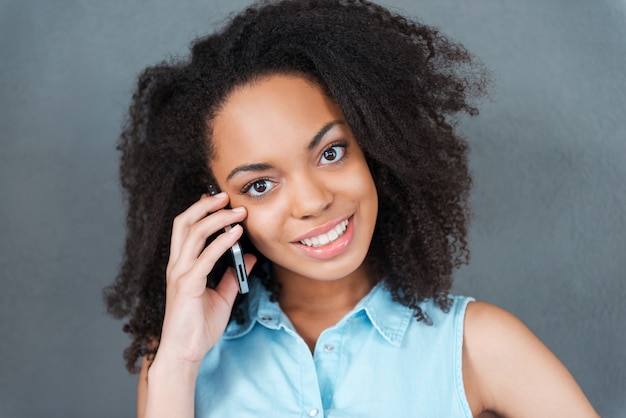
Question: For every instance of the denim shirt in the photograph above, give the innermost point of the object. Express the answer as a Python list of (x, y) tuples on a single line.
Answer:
[(377, 361)]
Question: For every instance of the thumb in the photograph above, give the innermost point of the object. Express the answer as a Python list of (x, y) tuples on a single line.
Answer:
[(228, 286)]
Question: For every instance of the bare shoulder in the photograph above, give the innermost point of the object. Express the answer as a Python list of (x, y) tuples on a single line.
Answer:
[(142, 382), (142, 387), (489, 327), (508, 370)]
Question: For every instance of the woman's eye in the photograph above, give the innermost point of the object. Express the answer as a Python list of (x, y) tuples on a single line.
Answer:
[(333, 154), (257, 188)]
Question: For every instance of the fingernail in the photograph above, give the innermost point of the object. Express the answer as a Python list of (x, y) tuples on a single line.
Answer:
[(239, 209), (234, 228), (220, 195)]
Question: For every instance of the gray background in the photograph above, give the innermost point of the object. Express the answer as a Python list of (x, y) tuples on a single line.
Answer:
[(548, 158)]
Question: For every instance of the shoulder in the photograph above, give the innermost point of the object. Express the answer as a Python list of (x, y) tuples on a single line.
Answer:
[(142, 387), (507, 369), (142, 382), (489, 327)]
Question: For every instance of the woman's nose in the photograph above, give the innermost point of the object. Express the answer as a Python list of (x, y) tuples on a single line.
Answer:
[(310, 197)]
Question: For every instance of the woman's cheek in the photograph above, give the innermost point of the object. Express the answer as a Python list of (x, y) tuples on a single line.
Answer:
[(258, 228)]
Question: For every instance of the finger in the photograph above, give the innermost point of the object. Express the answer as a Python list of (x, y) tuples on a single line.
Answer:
[(229, 280), (228, 287), (205, 205), (195, 241), (250, 260), (203, 265)]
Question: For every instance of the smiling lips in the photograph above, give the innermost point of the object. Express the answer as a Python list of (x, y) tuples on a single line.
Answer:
[(328, 244), (327, 238)]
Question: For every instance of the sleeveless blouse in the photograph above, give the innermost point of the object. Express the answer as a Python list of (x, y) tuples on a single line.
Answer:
[(378, 361)]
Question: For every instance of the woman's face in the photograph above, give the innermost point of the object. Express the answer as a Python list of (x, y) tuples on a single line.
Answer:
[(284, 151)]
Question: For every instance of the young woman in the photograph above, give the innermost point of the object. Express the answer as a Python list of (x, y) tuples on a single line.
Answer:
[(328, 126)]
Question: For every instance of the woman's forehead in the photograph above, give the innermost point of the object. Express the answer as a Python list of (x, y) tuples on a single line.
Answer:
[(271, 110)]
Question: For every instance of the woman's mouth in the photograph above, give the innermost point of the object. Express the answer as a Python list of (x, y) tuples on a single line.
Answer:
[(329, 244), (327, 238)]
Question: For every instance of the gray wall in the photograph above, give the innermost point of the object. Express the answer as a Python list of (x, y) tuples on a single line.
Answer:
[(548, 156)]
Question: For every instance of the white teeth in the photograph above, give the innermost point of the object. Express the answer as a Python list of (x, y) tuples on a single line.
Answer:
[(326, 238)]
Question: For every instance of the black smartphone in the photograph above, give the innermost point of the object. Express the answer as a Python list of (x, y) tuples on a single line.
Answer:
[(236, 254)]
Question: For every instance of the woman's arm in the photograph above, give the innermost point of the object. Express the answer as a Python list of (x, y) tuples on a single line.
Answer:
[(167, 390), (166, 384), (142, 387), (508, 370), (195, 316)]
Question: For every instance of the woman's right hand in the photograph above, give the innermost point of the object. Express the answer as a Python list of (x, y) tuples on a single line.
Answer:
[(196, 316)]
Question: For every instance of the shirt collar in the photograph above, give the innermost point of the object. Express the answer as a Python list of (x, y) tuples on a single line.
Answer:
[(256, 307), (388, 317)]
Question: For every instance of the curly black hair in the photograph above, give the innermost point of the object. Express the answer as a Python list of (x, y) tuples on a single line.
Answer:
[(401, 85)]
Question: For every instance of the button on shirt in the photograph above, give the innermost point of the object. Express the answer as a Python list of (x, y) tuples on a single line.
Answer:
[(377, 361)]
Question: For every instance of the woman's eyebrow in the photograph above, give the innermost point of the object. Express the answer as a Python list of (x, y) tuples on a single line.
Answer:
[(249, 167), (318, 136), (263, 166)]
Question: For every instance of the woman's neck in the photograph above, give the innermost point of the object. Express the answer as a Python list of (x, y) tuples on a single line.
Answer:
[(315, 305), (300, 293)]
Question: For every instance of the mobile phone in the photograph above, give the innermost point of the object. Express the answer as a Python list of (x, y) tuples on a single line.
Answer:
[(236, 254)]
